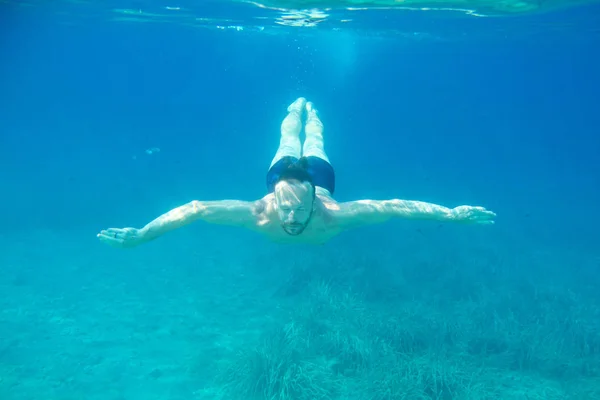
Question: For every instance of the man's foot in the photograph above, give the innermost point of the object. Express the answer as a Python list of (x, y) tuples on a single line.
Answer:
[(297, 105), (311, 111)]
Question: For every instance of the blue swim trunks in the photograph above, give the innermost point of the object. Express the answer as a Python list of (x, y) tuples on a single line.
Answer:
[(321, 172)]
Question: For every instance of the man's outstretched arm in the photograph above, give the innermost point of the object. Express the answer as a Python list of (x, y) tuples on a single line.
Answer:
[(224, 212), (365, 212)]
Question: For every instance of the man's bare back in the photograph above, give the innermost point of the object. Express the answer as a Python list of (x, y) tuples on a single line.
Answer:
[(299, 207)]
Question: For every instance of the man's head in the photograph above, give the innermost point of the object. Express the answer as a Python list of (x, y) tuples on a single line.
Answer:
[(295, 196)]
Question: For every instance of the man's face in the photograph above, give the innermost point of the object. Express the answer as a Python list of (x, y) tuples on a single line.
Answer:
[(294, 205)]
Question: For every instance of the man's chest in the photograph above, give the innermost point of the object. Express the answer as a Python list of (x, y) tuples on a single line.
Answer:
[(318, 231)]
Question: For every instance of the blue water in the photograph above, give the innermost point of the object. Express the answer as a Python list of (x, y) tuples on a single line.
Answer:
[(442, 107)]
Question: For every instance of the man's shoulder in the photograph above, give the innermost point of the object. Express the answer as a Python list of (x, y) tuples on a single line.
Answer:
[(265, 202), (268, 197), (264, 206), (329, 203)]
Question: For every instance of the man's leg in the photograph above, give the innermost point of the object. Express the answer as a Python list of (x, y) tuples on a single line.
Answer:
[(289, 144), (318, 163), (313, 143)]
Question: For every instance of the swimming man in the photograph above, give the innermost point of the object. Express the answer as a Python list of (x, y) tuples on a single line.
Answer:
[(299, 206)]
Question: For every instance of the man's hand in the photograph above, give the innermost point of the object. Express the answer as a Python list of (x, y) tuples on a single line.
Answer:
[(121, 237), (472, 215)]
